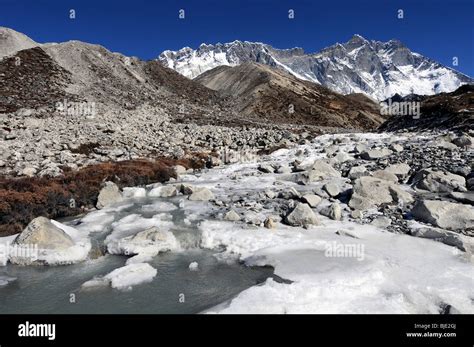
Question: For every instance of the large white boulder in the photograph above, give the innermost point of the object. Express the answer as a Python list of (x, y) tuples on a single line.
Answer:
[(444, 214), (201, 194), (374, 154), (319, 171), (302, 215), (164, 191), (44, 234), (47, 242), (400, 170), (108, 195), (369, 192), (439, 182)]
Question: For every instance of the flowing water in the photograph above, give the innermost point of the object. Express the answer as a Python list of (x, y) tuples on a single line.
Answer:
[(175, 289)]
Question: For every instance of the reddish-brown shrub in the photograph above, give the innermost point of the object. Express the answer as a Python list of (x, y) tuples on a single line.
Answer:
[(23, 199)]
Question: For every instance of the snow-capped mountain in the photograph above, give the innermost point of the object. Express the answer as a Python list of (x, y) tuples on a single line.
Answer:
[(377, 69)]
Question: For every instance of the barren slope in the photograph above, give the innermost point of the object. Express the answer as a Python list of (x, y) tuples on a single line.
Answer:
[(266, 93)]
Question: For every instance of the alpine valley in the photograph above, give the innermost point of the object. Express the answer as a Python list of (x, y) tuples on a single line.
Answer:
[(252, 179)]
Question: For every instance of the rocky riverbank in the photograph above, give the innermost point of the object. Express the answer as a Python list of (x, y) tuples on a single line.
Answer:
[(45, 146), (372, 214), (392, 181)]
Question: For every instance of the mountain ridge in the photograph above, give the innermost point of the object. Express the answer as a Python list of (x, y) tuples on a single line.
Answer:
[(274, 95), (89, 73), (375, 68)]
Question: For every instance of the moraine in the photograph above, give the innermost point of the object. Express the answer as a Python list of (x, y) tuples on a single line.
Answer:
[(390, 271)]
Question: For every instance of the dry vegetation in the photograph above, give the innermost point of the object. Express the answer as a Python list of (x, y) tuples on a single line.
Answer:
[(22, 199)]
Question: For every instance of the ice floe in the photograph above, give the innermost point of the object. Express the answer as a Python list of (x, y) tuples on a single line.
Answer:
[(124, 278)]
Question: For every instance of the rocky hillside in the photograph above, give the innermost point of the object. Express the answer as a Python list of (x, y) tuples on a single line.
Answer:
[(31, 79), (78, 71), (145, 110), (36, 76), (454, 111), (265, 93), (374, 68), (115, 81), (12, 41)]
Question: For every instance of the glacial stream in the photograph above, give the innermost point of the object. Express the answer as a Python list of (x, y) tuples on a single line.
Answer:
[(175, 289)]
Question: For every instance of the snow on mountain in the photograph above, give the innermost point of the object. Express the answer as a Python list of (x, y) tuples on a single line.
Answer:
[(191, 63), (377, 69)]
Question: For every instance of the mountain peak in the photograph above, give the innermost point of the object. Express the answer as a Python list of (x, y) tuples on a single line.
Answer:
[(355, 42), (374, 68), (357, 37)]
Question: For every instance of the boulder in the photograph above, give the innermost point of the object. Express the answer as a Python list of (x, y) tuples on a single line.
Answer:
[(400, 170), (441, 143), (470, 183), (270, 194), (254, 218), (374, 154), (334, 211), (444, 214), (311, 199), (201, 194), (269, 223), (283, 169), (462, 170), (290, 193), (341, 158), (439, 182), (164, 191), (385, 175), (357, 214), (357, 172), (319, 171), (451, 238), (29, 171), (109, 195), (369, 192), (232, 216), (45, 235), (179, 170), (152, 234), (466, 198), (360, 148), (381, 222), (302, 215), (463, 141), (332, 189), (396, 147), (330, 150), (133, 192)]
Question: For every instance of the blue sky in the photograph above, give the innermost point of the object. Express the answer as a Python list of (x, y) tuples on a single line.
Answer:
[(438, 29)]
